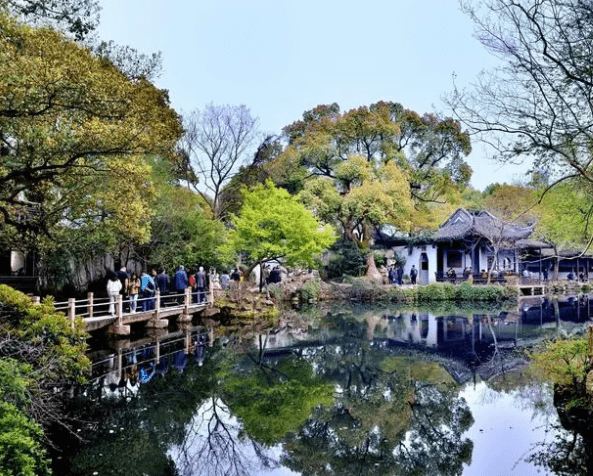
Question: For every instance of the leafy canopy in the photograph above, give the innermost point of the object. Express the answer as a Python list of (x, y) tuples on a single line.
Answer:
[(74, 132), (426, 151), (273, 225)]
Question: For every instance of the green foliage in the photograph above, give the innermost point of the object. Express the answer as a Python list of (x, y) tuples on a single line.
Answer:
[(563, 361), (273, 225), (311, 290), (184, 232), (62, 344), (75, 132), (373, 163), (463, 292), (564, 215), (363, 290), (271, 405), (21, 452), (15, 379), (21, 448), (346, 259)]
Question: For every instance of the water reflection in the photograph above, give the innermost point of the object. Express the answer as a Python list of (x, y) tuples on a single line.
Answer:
[(357, 391)]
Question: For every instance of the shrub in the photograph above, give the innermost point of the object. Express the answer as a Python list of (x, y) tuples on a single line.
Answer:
[(347, 260), (311, 290)]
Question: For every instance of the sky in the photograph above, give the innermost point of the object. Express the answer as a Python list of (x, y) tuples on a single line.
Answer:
[(283, 57)]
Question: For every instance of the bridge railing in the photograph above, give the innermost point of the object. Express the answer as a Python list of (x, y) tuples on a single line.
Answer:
[(119, 307)]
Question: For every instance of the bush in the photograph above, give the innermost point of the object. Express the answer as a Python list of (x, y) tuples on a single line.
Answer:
[(46, 349), (347, 260), (21, 452), (311, 290), (463, 292)]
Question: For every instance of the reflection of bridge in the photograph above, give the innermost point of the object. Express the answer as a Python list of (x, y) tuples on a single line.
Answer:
[(149, 356), (156, 311)]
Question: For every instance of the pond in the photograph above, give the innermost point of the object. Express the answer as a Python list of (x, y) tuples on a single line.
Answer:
[(341, 391)]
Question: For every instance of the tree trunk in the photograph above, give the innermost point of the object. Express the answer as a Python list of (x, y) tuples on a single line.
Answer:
[(556, 265), (372, 271)]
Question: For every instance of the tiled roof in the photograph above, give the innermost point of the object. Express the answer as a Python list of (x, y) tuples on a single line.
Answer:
[(463, 223)]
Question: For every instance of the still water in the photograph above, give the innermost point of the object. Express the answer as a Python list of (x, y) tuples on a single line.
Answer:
[(345, 391)]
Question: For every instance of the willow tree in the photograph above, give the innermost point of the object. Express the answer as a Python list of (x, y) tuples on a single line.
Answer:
[(74, 131)]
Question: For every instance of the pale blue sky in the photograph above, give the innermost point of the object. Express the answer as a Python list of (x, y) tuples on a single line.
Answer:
[(282, 57)]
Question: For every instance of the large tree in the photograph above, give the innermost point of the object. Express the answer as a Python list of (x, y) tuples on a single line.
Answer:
[(217, 141), (428, 149), (538, 103), (74, 132)]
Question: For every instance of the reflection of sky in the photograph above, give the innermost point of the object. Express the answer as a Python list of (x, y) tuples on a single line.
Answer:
[(505, 432), (235, 454)]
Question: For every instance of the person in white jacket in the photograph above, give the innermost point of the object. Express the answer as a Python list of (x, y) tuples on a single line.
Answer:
[(113, 289)]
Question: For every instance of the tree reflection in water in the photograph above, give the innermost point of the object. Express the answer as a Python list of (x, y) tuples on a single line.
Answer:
[(213, 445), (345, 404), (392, 415), (570, 452)]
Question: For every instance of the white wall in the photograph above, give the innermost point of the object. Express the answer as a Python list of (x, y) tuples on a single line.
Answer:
[(414, 259)]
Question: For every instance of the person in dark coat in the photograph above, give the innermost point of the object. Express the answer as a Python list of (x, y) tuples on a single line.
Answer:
[(392, 275), (400, 275), (201, 282), (413, 274), (163, 281), (181, 280), (123, 277)]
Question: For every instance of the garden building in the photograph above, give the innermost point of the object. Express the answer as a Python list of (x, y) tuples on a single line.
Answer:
[(475, 243)]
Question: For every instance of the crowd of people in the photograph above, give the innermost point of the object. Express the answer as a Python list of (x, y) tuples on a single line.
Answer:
[(141, 290)]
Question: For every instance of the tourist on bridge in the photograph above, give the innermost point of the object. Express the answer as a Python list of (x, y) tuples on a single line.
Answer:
[(201, 282), (181, 280), (147, 290), (133, 288), (123, 277), (113, 289), (163, 281)]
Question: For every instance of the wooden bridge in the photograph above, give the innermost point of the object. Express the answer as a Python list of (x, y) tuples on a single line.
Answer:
[(117, 315)]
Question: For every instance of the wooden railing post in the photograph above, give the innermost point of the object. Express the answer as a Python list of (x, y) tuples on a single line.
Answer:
[(36, 300), (91, 298), (71, 311), (211, 290), (120, 309), (187, 299), (157, 303)]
